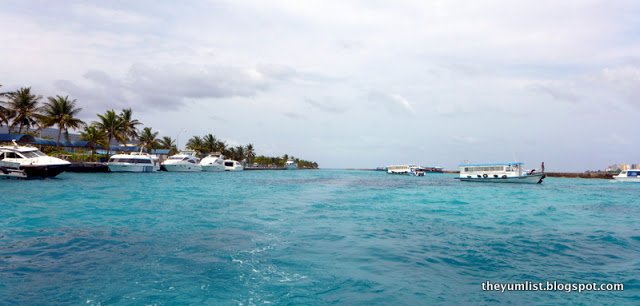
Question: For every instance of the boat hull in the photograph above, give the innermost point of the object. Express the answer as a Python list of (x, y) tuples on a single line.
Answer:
[(213, 168), (525, 179), (627, 179), (182, 167), (43, 171), (131, 168)]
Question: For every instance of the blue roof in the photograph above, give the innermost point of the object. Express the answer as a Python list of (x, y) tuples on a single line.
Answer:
[(44, 142), (17, 137), (492, 164)]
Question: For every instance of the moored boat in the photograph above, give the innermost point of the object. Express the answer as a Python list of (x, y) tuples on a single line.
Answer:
[(632, 175), (499, 173), (134, 162), (29, 162), (213, 162), (185, 161)]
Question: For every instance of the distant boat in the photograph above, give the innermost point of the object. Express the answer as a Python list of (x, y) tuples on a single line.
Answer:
[(134, 162), (29, 162), (411, 170), (185, 161), (232, 165), (291, 164), (632, 175), (214, 162), (499, 173), (401, 169)]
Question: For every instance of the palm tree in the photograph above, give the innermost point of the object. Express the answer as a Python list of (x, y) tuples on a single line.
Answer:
[(4, 112), (239, 153), (128, 128), (24, 106), (94, 136), (167, 143), (148, 139), (230, 152), (210, 143), (250, 153), (62, 112), (195, 143), (111, 125)]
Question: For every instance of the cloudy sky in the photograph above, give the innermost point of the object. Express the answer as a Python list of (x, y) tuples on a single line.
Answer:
[(349, 83)]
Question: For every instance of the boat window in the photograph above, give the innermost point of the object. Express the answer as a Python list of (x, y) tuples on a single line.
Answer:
[(633, 173), (1, 155), (31, 154), (228, 164), (12, 155), (191, 161), (175, 157), (143, 161), (186, 158)]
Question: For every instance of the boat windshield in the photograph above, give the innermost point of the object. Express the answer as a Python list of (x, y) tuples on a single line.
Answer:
[(32, 154)]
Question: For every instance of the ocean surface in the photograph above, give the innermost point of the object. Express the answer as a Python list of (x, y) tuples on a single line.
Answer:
[(312, 238)]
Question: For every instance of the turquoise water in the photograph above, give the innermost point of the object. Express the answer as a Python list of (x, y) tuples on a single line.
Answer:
[(312, 238)]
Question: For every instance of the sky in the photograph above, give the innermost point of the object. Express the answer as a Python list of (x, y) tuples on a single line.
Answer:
[(349, 84)]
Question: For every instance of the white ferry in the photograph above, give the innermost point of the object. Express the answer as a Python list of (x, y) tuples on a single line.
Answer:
[(632, 175), (214, 162), (29, 162), (499, 173), (134, 162), (408, 170), (401, 169), (184, 161)]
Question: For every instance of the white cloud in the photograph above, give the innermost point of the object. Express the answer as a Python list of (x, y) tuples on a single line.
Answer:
[(107, 15)]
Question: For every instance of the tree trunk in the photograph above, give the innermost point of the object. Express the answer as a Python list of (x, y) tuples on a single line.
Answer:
[(59, 133)]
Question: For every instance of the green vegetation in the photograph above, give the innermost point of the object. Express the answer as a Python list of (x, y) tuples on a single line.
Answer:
[(267, 161), (21, 111)]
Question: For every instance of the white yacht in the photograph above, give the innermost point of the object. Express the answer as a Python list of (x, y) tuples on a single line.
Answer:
[(632, 175), (232, 165), (213, 162), (134, 162), (499, 173), (28, 162), (184, 161), (291, 165)]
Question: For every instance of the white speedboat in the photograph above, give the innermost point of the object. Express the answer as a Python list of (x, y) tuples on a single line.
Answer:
[(632, 175), (134, 162), (29, 162), (184, 161), (291, 165), (213, 162), (232, 165), (499, 173)]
